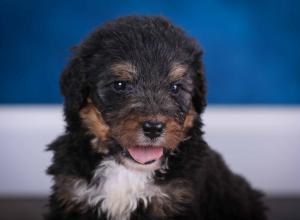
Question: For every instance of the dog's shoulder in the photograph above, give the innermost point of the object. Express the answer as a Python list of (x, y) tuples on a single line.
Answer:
[(73, 156)]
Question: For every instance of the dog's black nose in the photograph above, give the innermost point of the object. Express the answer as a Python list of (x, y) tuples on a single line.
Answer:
[(153, 129)]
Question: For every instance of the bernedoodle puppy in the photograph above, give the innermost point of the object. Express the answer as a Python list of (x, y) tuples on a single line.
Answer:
[(133, 146)]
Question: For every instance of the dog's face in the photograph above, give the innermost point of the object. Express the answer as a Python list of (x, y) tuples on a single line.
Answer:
[(148, 108), (139, 83)]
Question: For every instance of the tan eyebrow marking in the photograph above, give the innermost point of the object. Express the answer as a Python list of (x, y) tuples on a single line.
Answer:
[(177, 71), (124, 70)]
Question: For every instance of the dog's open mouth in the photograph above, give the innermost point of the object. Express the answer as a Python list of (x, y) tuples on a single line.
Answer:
[(145, 154)]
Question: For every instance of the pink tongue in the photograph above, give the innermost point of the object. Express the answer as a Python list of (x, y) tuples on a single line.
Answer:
[(145, 154)]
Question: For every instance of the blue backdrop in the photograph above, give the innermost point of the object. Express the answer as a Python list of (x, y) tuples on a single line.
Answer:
[(252, 48)]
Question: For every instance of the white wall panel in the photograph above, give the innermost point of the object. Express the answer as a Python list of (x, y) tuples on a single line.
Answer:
[(261, 143)]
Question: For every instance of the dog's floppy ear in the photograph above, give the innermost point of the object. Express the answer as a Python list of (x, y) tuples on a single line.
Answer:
[(75, 91), (199, 93)]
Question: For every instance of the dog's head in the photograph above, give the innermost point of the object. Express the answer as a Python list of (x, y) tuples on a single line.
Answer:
[(137, 81)]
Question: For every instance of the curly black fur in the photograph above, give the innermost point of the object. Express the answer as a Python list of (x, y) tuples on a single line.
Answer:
[(151, 44)]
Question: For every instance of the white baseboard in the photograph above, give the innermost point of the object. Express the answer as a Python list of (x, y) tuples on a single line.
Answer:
[(262, 143)]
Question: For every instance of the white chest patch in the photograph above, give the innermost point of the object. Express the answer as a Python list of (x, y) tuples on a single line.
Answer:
[(116, 190)]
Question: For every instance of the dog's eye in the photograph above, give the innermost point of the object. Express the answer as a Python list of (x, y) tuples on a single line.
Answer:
[(121, 86), (174, 88)]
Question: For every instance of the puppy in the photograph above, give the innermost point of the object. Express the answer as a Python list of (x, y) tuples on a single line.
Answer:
[(133, 146)]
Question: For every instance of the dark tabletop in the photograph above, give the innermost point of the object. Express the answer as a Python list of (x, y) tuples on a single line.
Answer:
[(281, 208)]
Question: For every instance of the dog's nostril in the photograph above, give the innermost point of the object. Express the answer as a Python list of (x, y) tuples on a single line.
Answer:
[(153, 129)]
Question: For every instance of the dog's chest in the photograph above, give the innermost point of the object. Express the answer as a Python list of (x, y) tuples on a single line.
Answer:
[(116, 191)]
